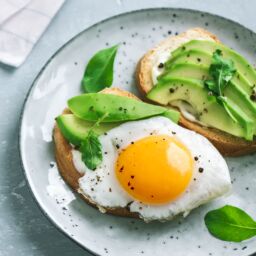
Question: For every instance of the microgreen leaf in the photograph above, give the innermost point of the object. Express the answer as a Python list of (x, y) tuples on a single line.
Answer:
[(230, 223), (99, 71), (221, 71)]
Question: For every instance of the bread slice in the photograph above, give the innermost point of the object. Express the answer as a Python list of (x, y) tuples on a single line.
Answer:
[(63, 156), (227, 144)]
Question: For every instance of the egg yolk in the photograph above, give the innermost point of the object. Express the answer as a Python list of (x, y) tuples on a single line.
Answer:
[(155, 170)]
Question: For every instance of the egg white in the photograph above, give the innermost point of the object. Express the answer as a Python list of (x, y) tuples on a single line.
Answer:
[(102, 187)]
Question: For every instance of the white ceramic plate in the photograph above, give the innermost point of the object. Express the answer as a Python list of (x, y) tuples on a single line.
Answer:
[(60, 79)]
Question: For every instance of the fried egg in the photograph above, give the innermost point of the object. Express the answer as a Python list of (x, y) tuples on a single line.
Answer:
[(155, 168)]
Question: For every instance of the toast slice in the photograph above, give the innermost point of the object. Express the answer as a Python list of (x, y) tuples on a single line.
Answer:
[(227, 144), (63, 156)]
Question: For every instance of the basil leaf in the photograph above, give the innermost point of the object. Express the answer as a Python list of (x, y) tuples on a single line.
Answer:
[(230, 223), (91, 150), (99, 71)]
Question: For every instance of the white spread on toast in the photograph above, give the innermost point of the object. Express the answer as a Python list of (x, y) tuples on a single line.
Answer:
[(162, 58), (79, 165), (187, 111)]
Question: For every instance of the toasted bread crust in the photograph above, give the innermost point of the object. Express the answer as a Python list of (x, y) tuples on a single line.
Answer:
[(227, 144), (64, 160)]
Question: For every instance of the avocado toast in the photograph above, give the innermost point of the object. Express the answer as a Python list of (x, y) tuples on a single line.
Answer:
[(63, 151), (176, 72)]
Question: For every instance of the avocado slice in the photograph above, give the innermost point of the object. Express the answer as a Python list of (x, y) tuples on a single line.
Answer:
[(75, 129), (190, 56), (204, 58), (209, 46), (234, 90), (173, 89), (189, 70), (245, 121), (92, 106)]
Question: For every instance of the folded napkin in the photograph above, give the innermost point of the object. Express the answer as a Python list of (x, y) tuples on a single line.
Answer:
[(23, 22), (10, 7)]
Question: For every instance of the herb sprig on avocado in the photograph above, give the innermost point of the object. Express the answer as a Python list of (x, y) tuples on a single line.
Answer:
[(222, 71)]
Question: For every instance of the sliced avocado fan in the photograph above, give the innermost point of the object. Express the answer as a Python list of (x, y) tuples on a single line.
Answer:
[(209, 46), (188, 67), (208, 112)]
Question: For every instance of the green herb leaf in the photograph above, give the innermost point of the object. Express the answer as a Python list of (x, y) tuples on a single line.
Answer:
[(210, 85), (99, 71), (91, 150), (222, 71), (230, 223)]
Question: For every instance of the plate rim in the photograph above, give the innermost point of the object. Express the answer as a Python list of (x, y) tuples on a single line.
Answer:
[(45, 65)]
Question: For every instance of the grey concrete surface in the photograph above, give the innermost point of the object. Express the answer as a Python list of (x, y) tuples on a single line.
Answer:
[(24, 230)]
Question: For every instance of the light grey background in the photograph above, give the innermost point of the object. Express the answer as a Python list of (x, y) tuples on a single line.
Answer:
[(23, 228)]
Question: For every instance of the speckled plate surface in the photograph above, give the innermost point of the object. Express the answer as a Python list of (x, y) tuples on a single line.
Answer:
[(60, 79)]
